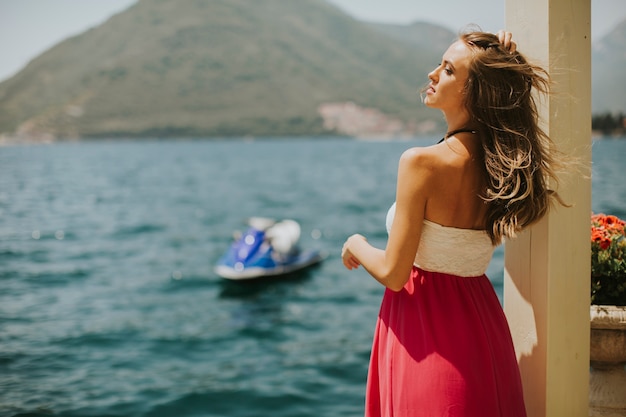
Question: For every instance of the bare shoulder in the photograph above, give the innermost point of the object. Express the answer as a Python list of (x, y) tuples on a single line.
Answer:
[(418, 170), (431, 167), (423, 160)]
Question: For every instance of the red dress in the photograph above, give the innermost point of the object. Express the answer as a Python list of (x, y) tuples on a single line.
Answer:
[(442, 346)]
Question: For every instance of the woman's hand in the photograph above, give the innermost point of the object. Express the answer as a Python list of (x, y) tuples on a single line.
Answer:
[(349, 260), (505, 39)]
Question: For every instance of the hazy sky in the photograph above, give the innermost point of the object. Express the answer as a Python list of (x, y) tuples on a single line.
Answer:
[(29, 27)]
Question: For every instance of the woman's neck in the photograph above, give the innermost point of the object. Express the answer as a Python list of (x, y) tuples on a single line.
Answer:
[(458, 120)]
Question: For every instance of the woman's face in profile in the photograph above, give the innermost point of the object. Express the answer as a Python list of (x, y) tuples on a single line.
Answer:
[(447, 85)]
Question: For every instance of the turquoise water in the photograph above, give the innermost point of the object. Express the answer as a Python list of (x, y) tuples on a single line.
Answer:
[(109, 305)]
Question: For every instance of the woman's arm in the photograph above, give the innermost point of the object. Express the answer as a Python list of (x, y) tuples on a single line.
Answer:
[(392, 266)]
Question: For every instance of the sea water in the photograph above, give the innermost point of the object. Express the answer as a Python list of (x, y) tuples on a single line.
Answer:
[(109, 305)]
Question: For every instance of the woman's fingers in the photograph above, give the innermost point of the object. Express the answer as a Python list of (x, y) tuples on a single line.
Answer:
[(349, 261), (505, 38)]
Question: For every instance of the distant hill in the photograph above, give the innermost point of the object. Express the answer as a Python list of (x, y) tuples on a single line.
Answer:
[(608, 75), (218, 68), (240, 67), (420, 35)]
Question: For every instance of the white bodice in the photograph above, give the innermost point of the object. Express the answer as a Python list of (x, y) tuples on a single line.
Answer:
[(461, 252)]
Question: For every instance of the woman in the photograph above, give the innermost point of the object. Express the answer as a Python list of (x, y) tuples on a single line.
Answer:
[(442, 345)]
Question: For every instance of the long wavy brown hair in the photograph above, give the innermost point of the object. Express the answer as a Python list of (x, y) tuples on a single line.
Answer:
[(520, 159)]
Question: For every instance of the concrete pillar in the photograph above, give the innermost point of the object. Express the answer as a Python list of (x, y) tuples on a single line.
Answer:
[(547, 269)]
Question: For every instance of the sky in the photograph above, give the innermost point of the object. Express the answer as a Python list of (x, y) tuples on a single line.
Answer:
[(30, 27)]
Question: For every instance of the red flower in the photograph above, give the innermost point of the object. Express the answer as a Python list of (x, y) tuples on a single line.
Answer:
[(609, 222), (608, 260), (600, 237)]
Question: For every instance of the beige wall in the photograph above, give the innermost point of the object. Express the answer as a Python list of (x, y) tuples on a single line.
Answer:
[(547, 268)]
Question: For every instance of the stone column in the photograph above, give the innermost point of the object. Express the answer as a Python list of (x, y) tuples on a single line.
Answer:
[(547, 269)]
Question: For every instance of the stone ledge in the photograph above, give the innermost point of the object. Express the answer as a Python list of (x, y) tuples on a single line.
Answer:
[(607, 317)]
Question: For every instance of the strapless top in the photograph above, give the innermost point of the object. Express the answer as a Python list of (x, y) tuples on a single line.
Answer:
[(450, 250)]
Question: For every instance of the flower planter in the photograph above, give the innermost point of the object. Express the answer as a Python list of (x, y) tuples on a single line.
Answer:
[(607, 377)]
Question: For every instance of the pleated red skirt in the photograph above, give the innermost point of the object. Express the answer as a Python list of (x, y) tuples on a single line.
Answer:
[(442, 348)]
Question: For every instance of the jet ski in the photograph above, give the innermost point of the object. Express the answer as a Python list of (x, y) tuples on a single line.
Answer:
[(268, 248)]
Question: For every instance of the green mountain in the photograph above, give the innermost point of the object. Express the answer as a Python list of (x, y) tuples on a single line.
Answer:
[(420, 35), (209, 68), (218, 68)]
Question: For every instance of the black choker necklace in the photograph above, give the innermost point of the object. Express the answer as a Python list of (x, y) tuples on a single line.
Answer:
[(454, 132)]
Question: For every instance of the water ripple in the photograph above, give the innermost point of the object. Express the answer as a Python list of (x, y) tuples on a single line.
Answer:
[(109, 303)]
